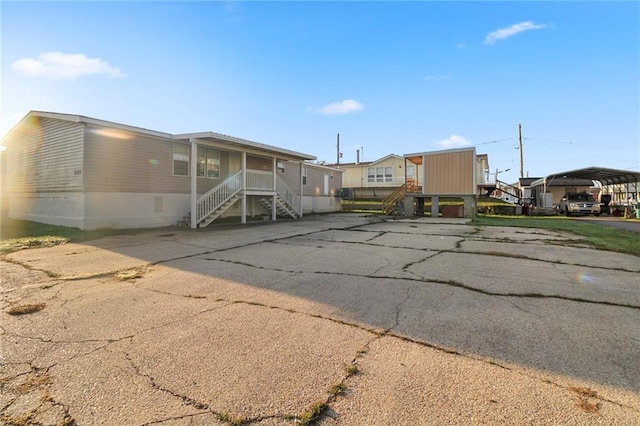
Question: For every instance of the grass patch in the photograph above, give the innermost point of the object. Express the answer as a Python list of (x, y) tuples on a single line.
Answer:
[(338, 389), (314, 413), (26, 309), (131, 274), (23, 234), (351, 369), (598, 236), (234, 421)]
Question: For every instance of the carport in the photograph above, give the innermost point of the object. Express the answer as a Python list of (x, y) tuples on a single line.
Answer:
[(612, 180)]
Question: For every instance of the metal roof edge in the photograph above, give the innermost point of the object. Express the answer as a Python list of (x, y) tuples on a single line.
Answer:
[(442, 151)]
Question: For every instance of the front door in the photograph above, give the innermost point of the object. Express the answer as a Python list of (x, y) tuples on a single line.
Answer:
[(326, 184)]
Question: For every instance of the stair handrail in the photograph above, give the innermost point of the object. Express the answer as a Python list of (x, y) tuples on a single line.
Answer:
[(389, 203), (287, 194), (211, 200)]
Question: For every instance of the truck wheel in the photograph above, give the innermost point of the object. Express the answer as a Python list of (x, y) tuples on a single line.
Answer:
[(567, 213), (596, 214)]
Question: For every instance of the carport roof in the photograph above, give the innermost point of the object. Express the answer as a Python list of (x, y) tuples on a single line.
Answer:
[(604, 175)]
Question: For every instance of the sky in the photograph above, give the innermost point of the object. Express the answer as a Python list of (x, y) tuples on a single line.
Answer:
[(388, 77)]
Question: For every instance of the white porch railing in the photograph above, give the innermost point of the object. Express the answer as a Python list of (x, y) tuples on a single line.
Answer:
[(257, 180), (288, 195), (214, 198)]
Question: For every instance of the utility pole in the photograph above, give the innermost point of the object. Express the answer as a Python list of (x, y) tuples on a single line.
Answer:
[(338, 153), (521, 156)]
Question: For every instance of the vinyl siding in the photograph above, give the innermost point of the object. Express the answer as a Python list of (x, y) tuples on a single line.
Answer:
[(315, 181), (135, 163), (45, 155), (449, 173), (291, 175)]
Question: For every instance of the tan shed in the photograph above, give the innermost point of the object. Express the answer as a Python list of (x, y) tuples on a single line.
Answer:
[(448, 173)]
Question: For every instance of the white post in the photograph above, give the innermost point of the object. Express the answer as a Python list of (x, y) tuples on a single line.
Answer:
[(194, 182), (301, 206), (274, 201), (243, 213)]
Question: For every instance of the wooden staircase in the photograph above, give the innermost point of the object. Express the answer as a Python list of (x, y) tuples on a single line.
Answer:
[(394, 203)]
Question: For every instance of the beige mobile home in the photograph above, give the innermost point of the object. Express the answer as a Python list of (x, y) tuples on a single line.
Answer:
[(87, 173)]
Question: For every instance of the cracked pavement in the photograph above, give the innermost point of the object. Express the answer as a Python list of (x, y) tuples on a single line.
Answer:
[(414, 321)]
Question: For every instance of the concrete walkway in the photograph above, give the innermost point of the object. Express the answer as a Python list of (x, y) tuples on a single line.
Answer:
[(338, 319)]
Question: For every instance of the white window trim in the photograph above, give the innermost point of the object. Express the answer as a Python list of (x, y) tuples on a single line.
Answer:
[(205, 170), (173, 159)]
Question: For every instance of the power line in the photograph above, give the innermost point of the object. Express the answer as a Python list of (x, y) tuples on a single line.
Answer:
[(496, 141)]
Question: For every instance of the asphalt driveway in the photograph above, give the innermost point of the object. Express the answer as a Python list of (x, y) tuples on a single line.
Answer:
[(337, 319)]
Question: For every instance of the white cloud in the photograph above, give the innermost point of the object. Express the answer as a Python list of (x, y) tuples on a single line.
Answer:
[(342, 107), (58, 65), (514, 29), (454, 141)]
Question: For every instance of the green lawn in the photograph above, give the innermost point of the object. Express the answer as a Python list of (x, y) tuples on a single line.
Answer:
[(20, 234), (599, 236)]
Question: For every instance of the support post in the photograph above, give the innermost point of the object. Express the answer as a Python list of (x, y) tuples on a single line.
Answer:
[(435, 207), (274, 200), (301, 206), (243, 202), (193, 172)]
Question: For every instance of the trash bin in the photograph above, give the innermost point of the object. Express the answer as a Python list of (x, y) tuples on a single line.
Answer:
[(638, 210)]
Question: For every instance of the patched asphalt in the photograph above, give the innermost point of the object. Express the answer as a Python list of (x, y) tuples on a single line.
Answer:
[(360, 319)]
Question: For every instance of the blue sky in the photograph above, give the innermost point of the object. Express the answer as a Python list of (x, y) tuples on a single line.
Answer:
[(390, 77)]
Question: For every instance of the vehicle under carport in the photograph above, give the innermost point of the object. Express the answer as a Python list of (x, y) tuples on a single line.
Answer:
[(621, 184)]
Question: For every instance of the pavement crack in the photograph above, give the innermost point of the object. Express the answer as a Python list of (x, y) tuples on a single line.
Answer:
[(450, 283)]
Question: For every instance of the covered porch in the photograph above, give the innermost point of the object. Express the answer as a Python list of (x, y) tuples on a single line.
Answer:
[(273, 176)]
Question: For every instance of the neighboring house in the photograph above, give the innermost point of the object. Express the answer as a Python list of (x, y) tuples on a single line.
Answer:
[(527, 194), (386, 172), (87, 173)]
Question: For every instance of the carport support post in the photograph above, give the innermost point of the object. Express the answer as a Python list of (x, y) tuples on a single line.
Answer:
[(435, 207), (243, 202), (194, 183)]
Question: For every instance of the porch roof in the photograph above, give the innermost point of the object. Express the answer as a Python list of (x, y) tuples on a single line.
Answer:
[(244, 143)]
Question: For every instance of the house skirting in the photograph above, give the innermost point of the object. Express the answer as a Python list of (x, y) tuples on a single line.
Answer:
[(98, 210), (312, 204)]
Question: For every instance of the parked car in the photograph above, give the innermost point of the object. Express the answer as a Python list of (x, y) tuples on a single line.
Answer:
[(579, 204)]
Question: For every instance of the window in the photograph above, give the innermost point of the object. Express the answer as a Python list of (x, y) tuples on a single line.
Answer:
[(304, 175), (280, 166), (410, 172), (371, 174), (180, 159), (379, 174), (388, 174), (208, 163)]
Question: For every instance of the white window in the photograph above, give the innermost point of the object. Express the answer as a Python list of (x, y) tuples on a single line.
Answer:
[(304, 175), (180, 159), (379, 174), (208, 163), (280, 166), (371, 174), (410, 171), (388, 174)]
